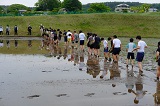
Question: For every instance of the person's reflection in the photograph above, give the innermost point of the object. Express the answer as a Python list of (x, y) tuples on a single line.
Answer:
[(157, 95), (114, 72), (130, 80), (29, 43), (81, 61), (106, 67), (139, 93), (72, 54), (65, 52), (55, 53), (76, 58), (93, 67), (59, 52)]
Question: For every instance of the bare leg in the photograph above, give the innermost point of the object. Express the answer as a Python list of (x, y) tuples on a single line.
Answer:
[(140, 66)]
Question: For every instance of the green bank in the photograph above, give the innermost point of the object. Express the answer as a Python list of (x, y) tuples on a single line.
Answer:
[(104, 24)]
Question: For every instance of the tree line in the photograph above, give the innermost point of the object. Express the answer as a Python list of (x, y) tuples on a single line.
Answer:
[(76, 6)]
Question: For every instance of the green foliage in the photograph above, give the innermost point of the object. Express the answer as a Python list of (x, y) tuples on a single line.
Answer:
[(45, 5), (141, 9), (1, 10), (15, 7), (98, 7), (72, 5)]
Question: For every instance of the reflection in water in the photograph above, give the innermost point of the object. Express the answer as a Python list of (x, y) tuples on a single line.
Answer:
[(157, 95), (81, 61), (106, 67), (114, 72), (139, 93), (130, 80), (93, 66)]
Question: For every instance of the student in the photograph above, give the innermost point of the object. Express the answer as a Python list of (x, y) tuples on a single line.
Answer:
[(76, 37), (29, 30), (110, 49), (116, 48), (158, 60), (81, 38), (97, 42), (105, 44), (130, 46), (1, 30), (7, 33), (7, 30), (140, 52), (15, 30)]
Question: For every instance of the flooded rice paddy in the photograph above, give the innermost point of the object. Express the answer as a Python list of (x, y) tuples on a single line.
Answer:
[(70, 77)]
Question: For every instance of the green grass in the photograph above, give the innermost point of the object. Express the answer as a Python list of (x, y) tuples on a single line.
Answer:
[(104, 24)]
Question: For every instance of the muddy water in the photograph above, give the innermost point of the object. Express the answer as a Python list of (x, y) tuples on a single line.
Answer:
[(72, 78), (38, 80)]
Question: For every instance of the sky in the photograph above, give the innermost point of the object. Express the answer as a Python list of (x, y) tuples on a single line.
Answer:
[(30, 3)]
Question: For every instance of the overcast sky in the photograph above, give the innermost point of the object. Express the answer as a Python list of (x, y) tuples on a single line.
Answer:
[(31, 3)]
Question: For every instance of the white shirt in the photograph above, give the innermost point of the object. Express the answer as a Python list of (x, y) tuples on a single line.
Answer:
[(105, 43), (82, 36), (116, 43), (68, 33), (1, 28), (142, 45)]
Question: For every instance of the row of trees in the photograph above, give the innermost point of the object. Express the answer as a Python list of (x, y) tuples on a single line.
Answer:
[(75, 6), (56, 5)]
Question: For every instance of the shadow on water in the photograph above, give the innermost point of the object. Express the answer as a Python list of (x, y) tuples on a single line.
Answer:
[(64, 73)]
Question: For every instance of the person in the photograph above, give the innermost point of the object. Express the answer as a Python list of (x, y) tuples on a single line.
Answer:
[(15, 30), (116, 48), (140, 52), (110, 49), (76, 37), (130, 46), (16, 33), (41, 27), (29, 30), (97, 42), (158, 61), (1, 30), (7, 33), (105, 44), (7, 30), (82, 39)]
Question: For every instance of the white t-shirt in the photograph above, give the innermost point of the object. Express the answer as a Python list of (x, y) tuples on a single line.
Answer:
[(68, 33), (82, 36), (142, 45), (116, 43), (105, 43)]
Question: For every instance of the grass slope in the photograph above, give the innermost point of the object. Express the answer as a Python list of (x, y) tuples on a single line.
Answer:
[(104, 24)]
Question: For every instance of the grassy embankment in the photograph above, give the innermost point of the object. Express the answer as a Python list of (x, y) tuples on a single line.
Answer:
[(106, 24)]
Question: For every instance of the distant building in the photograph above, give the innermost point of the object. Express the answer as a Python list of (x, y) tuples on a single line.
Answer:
[(122, 8), (152, 10)]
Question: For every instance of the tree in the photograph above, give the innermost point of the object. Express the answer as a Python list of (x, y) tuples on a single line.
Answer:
[(15, 7), (72, 5), (43, 5), (1, 10), (145, 7), (99, 7)]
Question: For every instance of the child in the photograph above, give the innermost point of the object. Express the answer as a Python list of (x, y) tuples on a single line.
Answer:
[(130, 55), (105, 44)]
